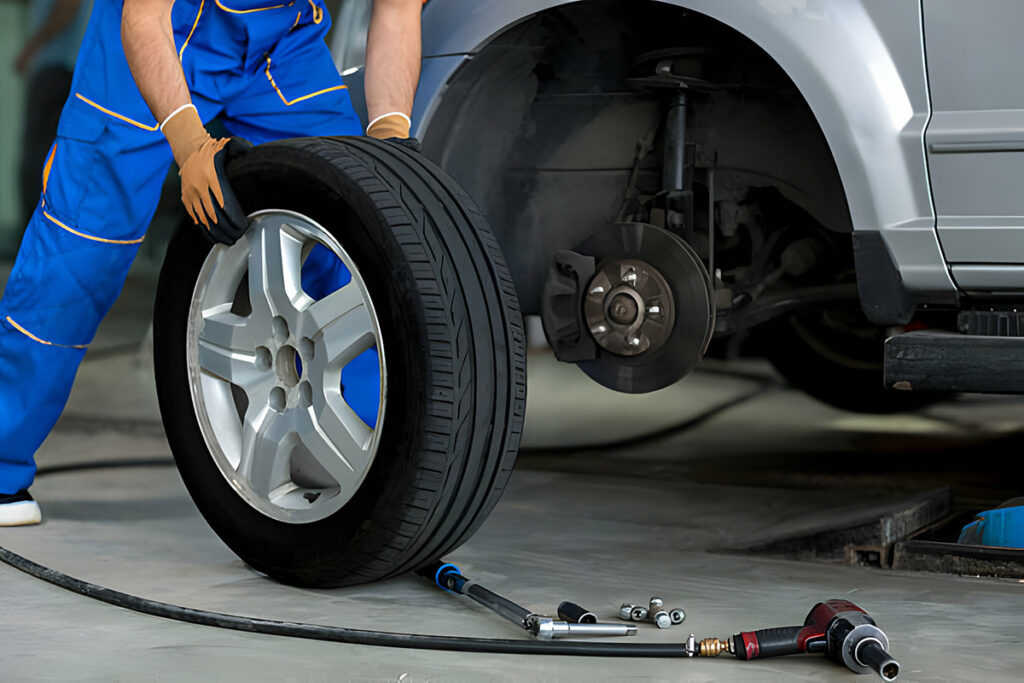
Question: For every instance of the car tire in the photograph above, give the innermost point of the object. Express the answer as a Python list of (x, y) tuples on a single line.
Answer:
[(836, 355), (451, 333)]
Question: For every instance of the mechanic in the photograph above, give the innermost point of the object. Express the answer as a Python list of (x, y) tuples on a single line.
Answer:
[(148, 75)]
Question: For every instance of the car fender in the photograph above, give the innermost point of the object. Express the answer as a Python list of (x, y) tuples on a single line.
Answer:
[(860, 66)]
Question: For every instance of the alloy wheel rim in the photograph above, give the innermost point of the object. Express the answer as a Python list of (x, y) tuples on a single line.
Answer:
[(265, 365)]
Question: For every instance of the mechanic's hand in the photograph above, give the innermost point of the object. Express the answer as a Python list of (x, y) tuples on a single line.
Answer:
[(199, 181), (229, 219), (393, 125), (205, 192)]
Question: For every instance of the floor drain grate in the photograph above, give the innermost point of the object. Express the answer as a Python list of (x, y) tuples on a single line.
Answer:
[(917, 535)]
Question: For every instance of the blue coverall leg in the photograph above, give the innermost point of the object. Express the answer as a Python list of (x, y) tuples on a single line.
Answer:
[(264, 67)]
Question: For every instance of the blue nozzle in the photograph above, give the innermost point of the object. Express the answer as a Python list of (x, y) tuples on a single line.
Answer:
[(445, 569)]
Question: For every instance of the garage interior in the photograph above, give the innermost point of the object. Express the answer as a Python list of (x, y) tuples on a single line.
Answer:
[(738, 460), (729, 494)]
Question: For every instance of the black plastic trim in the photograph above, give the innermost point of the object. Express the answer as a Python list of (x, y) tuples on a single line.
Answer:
[(883, 296)]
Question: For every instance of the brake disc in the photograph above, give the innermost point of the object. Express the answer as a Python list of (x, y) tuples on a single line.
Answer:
[(649, 307)]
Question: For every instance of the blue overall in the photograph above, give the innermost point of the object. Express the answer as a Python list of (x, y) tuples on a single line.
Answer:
[(262, 66)]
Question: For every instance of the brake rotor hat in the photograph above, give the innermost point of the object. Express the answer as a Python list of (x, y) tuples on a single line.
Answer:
[(671, 288), (629, 307)]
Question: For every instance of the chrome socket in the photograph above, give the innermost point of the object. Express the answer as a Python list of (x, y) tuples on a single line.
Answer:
[(546, 628)]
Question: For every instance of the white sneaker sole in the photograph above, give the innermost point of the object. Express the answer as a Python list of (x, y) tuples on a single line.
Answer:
[(22, 513)]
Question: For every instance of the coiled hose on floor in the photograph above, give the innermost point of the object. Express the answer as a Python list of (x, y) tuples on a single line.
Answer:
[(336, 634)]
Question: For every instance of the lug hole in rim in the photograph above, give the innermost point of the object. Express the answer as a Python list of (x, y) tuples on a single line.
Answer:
[(280, 328), (306, 349), (264, 360), (306, 394), (278, 399)]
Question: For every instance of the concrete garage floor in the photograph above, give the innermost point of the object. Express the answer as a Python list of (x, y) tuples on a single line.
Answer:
[(596, 525)]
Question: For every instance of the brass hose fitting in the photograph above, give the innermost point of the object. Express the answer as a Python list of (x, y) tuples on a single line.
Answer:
[(713, 647)]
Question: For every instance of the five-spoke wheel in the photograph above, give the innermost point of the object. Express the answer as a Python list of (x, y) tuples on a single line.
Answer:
[(268, 363)]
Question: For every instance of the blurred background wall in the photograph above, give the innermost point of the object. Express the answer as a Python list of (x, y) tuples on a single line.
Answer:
[(13, 22)]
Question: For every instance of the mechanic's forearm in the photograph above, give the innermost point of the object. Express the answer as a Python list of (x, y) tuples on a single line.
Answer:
[(148, 41), (61, 14), (392, 57)]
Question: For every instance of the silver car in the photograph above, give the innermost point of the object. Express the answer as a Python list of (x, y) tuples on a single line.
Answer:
[(828, 183), (803, 178)]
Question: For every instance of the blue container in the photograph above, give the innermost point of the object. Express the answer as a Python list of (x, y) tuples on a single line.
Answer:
[(1002, 528)]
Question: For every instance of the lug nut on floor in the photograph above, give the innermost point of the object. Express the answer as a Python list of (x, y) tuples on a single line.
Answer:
[(654, 613)]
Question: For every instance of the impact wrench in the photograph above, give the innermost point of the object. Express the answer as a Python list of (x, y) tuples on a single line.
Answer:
[(447, 576), (839, 629), (842, 631)]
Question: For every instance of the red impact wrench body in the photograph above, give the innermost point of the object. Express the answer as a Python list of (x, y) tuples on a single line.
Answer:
[(838, 628)]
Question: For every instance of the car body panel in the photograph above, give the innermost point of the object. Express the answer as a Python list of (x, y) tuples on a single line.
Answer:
[(989, 277), (976, 137), (435, 74)]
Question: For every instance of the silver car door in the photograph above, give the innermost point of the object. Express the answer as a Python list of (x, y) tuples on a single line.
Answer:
[(975, 140)]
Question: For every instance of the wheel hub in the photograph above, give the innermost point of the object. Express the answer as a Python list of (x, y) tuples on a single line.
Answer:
[(624, 308), (628, 307), (632, 306)]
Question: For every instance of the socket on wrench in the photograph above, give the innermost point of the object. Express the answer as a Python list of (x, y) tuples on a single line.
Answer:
[(546, 628)]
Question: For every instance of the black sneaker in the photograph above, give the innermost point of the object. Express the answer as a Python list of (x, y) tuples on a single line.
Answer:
[(19, 509)]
